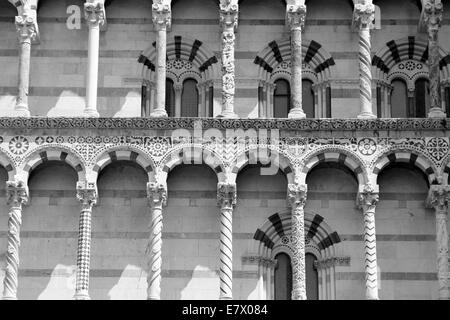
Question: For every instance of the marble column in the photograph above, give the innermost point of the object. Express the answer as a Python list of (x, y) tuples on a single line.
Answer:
[(439, 198), (157, 196), (296, 21), (161, 15), (95, 16), (367, 201), (87, 195), (178, 89), (297, 200), (228, 22), (17, 195), (27, 31), (363, 17), (433, 10), (226, 198)]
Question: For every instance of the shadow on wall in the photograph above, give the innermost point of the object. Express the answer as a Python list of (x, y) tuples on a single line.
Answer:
[(7, 103), (2, 271), (61, 284), (203, 285), (69, 104), (131, 106), (132, 285)]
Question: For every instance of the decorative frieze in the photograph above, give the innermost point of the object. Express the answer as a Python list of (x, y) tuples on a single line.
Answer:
[(332, 262)]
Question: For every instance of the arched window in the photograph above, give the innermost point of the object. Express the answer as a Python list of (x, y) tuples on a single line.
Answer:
[(399, 99), (308, 98), (312, 277), (283, 277), (170, 98), (189, 98), (281, 99), (422, 97)]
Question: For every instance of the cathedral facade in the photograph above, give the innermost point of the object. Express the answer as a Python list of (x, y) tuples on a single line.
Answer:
[(206, 149)]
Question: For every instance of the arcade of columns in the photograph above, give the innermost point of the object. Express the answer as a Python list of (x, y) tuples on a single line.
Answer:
[(17, 192)]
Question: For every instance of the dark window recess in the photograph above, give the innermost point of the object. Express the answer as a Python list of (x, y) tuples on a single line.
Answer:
[(189, 99), (399, 99), (308, 98), (422, 98), (281, 99), (312, 278), (170, 98), (283, 277)]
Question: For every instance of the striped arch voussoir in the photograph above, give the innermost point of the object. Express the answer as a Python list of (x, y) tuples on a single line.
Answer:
[(123, 155), (406, 157), (8, 165), (43, 155)]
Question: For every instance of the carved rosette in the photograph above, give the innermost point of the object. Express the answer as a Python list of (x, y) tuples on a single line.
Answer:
[(297, 200), (26, 26), (94, 13), (368, 199), (226, 197), (87, 195), (17, 195), (439, 198), (433, 11), (157, 196), (161, 14)]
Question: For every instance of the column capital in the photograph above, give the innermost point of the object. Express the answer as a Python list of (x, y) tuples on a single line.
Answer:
[(178, 87), (295, 16), (363, 15), (439, 198), (26, 26), (16, 193), (161, 14), (433, 16), (368, 197), (296, 194), (94, 12), (87, 193), (226, 194), (157, 193), (228, 14)]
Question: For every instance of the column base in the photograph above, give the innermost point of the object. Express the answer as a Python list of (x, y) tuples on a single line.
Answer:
[(228, 115), (82, 295), (296, 114), (159, 114), (9, 298), (226, 298), (21, 110), (90, 113), (436, 113), (366, 115)]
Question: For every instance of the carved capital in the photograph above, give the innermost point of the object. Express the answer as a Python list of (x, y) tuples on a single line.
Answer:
[(368, 198), (26, 26), (439, 197), (157, 193), (226, 194), (87, 193), (295, 16), (94, 12), (296, 195), (433, 16), (161, 14), (16, 193), (178, 87), (228, 14), (364, 14)]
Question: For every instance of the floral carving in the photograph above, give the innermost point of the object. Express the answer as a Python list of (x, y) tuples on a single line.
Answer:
[(18, 145)]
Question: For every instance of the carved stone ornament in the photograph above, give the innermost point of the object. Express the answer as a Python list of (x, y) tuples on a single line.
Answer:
[(16, 193), (295, 15), (297, 194), (26, 27), (226, 194), (439, 197), (157, 193), (161, 14), (368, 198), (364, 14), (228, 14), (87, 193), (433, 11)]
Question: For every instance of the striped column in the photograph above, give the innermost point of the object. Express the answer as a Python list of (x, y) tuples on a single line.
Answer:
[(17, 195), (27, 32), (95, 16), (228, 22), (296, 20), (439, 198), (433, 11), (368, 199), (226, 198), (297, 201), (87, 195), (161, 16), (157, 196), (363, 17)]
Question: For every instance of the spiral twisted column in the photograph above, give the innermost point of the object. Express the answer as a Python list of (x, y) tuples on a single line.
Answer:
[(94, 12), (363, 17), (228, 22), (161, 16), (157, 196), (87, 195), (433, 11), (297, 200), (27, 31), (17, 195), (226, 198), (439, 198), (296, 20), (368, 199)]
